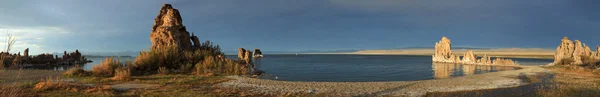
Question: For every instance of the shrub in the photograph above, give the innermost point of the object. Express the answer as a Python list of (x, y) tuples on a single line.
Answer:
[(220, 65), (186, 67), (122, 73), (163, 70), (75, 71), (106, 67), (151, 60)]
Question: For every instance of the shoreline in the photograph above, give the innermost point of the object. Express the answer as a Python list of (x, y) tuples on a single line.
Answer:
[(502, 79)]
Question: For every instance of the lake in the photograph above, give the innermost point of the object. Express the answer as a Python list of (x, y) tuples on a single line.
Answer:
[(361, 68)]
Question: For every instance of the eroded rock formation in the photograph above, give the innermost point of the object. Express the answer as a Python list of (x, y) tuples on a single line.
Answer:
[(244, 55), (468, 57), (168, 30), (257, 53), (573, 53), (597, 55), (443, 53), (196, 41), (26, 52)]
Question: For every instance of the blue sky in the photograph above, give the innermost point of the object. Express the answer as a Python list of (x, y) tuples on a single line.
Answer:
[(299, 25)]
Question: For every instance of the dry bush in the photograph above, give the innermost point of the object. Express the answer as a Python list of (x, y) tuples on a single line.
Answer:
[(122, 74), (76, 71), (211, 65), (106, 67), (50, 84), (186, 67), (163, 70)]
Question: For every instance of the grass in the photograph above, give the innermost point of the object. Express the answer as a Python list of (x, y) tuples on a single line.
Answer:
[(51, 83), (122, 74)]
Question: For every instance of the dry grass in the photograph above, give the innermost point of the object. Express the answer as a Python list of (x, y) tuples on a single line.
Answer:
[(215, 65), (122, 74), (51, 83), (163, 70), (76, 71), (106, 67)]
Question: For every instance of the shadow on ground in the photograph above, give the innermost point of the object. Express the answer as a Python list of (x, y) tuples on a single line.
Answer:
[(538, 82)]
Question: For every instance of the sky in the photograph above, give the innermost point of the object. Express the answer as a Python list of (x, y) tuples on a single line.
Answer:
[(47, 26)]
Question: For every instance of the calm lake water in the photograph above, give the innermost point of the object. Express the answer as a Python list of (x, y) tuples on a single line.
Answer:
[(359, 68)]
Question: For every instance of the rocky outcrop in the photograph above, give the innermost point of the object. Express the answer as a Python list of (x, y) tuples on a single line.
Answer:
[(26, 52), (564, 50), (443, 54), (577, 53), (196, 41), (468, 57), (67, 58), (244, 55), (168, 30), (597, 55), (257, 53), (573, 53)]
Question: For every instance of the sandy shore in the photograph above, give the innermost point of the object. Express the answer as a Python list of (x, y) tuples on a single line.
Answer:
[(492, 80)]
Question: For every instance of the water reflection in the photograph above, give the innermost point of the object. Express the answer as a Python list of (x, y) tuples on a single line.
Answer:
[(446, 70)]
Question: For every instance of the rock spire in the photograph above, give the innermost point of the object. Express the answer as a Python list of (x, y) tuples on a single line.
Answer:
[(443, 54), (168, 30), (574, 51)]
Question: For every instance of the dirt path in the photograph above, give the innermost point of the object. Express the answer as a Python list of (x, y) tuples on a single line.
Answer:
[(492, 80)]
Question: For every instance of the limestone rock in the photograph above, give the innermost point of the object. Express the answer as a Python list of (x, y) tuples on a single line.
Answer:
[(469, 57), (578, 52), (443, 54), (564, 50), (244, 55), (26, 53), (248, 56), (241, 52), (168, 30), (587, 52), (257, 53), (597, 52), (442, 51), (196, 41)]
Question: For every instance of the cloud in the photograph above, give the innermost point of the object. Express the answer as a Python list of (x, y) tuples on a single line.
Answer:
[(31, 37)]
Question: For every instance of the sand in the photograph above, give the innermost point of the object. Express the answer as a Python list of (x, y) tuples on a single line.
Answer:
[(492, 80)]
